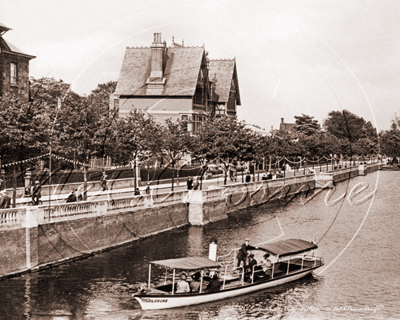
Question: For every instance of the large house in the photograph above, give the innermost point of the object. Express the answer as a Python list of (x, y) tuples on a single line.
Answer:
[(175, 82), (14, 69)]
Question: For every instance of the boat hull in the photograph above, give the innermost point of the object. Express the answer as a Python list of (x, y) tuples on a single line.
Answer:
[(165, 301)]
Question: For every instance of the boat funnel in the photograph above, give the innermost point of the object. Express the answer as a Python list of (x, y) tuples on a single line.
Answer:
[(212, 255)]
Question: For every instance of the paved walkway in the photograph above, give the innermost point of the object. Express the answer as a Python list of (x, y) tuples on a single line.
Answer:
[(162, 188)]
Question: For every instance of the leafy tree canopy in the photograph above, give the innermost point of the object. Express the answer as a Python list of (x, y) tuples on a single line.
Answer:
[(305, 125)]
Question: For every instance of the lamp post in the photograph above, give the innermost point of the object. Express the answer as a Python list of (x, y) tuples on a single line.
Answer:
[(135, 168), (84, 169)]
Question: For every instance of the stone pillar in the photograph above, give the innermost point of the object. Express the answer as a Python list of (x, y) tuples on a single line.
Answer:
[(196, 201), (32, 243), (362, 170)]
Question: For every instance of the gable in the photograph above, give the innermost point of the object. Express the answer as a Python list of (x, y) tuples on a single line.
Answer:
[(224, 71)]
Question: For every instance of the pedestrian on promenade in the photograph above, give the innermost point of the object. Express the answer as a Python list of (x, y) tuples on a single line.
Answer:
[(103, 181), (72, 196), (264, 177), (5, 200), (248, 177), (195, 184), (147, 190), (36, 193), (189, 183), (234, 174)]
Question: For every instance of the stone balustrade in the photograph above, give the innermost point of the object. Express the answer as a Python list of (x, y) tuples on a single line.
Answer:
[(12, 218), (74, 210)]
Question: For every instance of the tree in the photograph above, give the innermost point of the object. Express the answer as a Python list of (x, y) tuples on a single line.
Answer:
[(100, 97), (305, 125), (390, 139), (133, 136), (24, 129), (346, 125)]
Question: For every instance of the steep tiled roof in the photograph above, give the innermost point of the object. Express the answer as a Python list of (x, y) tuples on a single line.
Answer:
[(181, 71), (4, 28), (223, 71), (11, 48)]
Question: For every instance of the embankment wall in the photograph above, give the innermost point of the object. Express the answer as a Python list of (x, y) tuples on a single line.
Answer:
[(35, 237)]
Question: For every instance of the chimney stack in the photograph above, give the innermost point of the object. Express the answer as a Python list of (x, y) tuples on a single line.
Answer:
[(157, 55), (281, 120)]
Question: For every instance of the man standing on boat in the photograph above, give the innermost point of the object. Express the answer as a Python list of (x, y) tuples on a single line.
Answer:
[(242, 254)]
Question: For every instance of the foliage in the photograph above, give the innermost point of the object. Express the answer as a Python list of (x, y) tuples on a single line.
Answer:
[(348, 126), (133, 136), (305, 125)]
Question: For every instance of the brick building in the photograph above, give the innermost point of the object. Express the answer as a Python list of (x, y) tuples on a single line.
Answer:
[(174, 82), (286, 126), (14, 68)]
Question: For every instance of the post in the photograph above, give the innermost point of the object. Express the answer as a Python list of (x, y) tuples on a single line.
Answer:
[(288, 266), (1, 177), (173, 281), (201, 281), (134, 176), (137, 171), (150, 276), (84, 183), (50, 178), (14, 194), (223, 286), (173, 176)]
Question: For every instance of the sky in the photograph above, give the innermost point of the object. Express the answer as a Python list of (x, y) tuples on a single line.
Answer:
[(292, 56)]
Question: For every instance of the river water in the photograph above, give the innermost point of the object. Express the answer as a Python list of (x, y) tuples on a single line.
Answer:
[(360, 279)]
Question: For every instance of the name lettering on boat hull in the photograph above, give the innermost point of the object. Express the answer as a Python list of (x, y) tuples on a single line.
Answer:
[(155, 300)]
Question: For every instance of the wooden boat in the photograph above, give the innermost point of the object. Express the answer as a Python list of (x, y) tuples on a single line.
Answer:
[(295, 259)]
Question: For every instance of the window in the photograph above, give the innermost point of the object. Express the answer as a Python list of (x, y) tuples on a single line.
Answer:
[(13, 73)]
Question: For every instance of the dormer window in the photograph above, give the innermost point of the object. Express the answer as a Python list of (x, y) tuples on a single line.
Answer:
[(13, 73)]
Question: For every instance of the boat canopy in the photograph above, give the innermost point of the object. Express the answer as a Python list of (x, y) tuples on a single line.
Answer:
[(189, 263), (288, 247)]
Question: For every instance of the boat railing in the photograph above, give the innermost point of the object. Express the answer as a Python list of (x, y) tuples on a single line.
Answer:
[(255, 271), (224, 258), (241, 273)]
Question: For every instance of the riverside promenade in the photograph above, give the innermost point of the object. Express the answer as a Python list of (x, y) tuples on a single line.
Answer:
[(35, 237)]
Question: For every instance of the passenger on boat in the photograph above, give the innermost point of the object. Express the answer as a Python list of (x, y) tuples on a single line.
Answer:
[(195, 284), (252, 262), (182, 285), (267, 265), (242, 254), (214, 285), (252, 266)]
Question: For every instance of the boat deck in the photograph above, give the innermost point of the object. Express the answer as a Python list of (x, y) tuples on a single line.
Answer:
[(235, 280)]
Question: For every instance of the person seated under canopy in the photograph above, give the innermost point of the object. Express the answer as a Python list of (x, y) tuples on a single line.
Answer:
[(214, 285), (182, 286)]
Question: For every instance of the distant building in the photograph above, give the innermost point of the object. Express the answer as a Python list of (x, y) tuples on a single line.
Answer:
[(14, 68), (257, 129), (174, 82), (286, 126)]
